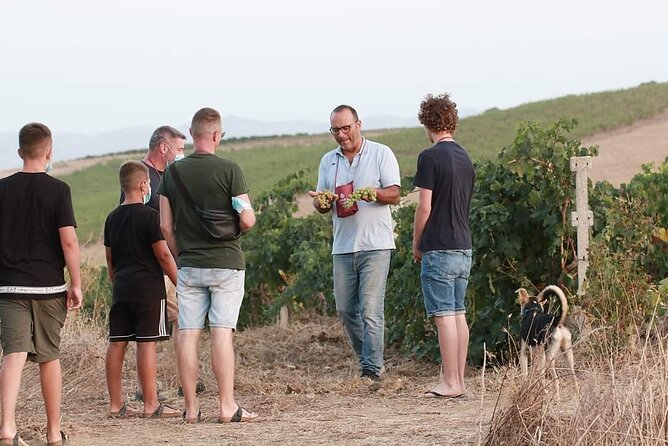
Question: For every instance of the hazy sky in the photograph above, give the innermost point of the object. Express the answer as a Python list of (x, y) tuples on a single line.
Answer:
[(89, 66)]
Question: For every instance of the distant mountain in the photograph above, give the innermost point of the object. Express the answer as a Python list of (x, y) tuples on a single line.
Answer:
[(79, 145)]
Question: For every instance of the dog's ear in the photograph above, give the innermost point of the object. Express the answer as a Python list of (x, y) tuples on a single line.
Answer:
[(522, 296)]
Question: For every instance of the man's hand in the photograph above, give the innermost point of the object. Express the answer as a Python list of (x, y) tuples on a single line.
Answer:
[(417, 254), (322, 201), (74, 298)]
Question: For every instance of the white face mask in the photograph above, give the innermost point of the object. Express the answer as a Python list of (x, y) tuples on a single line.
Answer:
[(147, 197), (179, 156)]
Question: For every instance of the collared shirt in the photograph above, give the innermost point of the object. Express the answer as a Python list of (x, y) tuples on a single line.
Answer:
[(375, 166)]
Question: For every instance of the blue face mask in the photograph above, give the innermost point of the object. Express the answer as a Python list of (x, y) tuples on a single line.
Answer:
[(49, 167), (147, 197)]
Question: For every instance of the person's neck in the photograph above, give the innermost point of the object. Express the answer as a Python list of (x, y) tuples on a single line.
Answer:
[(204, 145), (350, 154), (156, 160), (442, 136), (204, 149), (34, 165), (133, 197)]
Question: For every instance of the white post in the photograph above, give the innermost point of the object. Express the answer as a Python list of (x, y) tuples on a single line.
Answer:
[(582, 218)]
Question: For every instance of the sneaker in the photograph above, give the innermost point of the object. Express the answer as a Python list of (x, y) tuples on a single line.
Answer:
[(198, 389), (370, 375)]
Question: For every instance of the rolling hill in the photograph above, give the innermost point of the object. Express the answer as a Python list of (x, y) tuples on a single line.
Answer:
[(603, 118)]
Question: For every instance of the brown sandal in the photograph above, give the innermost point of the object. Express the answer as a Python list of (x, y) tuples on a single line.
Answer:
[(195, 420), (160, 412), (124, 412), (61, 442), (16, 441), (238, 417)]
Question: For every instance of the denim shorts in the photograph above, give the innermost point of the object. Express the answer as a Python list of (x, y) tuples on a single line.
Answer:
[(214, 292), (444, 277)]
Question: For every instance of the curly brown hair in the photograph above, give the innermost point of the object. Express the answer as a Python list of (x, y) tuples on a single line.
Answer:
[(438, 113)]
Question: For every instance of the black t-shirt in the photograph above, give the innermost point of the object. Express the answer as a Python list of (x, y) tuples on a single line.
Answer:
[(33, 206), (130, 231), (448, 172), (155, 177)]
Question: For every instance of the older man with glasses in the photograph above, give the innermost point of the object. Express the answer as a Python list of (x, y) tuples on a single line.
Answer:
[(363, 235)]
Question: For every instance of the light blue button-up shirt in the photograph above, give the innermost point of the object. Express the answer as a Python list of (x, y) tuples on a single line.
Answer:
[(371, 228)]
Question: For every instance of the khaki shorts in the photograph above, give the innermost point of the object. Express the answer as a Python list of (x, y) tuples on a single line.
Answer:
[(32, 326), (172, 304)]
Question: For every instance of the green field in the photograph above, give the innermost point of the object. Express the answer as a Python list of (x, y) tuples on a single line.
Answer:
[(95, 190)]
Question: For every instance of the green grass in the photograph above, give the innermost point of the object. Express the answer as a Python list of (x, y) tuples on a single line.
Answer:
[(95, 190)]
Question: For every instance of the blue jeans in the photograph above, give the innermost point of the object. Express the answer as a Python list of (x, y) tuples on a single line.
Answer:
[(359, 291)]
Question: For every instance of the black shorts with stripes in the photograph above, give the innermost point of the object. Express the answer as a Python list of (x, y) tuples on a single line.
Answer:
[(143, 321)]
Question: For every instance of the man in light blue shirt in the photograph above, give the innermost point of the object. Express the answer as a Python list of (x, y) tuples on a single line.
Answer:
[(363, 233)]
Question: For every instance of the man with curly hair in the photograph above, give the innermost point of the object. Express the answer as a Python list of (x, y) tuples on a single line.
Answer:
[(442, 238)]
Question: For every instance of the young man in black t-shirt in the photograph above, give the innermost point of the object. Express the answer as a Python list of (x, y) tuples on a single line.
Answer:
[(37, 239), (442, 238), (137, 255)]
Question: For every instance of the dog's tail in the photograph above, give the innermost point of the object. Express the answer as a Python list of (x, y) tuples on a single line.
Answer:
[(562, 297)]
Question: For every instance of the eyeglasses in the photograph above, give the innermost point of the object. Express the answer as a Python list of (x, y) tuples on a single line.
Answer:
[(345, 129)]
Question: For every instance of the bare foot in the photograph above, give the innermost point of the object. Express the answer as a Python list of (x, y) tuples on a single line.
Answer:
[(239, 415), (444, 391), (161, 411)]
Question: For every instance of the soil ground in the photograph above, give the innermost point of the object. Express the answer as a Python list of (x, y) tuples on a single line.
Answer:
[(622, 151), (301, 380)]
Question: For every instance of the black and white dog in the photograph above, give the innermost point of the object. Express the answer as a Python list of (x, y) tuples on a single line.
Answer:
[(543, 334)]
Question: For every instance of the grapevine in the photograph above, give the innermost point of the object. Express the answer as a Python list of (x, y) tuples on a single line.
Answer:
[(325, 199), (364, 193)]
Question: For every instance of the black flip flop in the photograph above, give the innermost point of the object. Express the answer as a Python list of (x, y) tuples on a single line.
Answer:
[(433, 394), (237, 417)]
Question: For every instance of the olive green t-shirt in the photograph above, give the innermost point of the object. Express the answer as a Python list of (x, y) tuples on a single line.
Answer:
[(211, 181)]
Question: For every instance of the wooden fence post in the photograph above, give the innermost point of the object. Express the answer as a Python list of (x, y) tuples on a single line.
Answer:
[(582, 218)]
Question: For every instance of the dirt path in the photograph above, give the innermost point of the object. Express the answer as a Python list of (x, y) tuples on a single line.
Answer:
[(311, 419), (624, 150), (301, 380)]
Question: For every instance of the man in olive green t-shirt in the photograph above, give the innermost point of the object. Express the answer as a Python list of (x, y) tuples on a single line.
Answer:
[(211, 273)]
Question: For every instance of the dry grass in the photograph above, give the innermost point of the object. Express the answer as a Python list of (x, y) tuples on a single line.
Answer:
[(303, 381), (623, 400)]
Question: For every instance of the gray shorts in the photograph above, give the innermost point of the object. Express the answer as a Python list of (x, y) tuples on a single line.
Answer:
[(213, 292), (32, 326)]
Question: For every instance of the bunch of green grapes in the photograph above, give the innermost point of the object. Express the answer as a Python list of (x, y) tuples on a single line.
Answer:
[(363, 193), (325, 198)]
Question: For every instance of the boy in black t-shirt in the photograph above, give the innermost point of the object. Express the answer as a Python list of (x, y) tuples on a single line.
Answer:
[(37, 240), (136, 254)]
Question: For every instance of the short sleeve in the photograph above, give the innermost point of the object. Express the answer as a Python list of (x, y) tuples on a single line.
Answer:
[(107, 236), (162, 189), (239, 185), (64, 211), (425, 177), (154, 231), (322, 175), (389, 169)]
